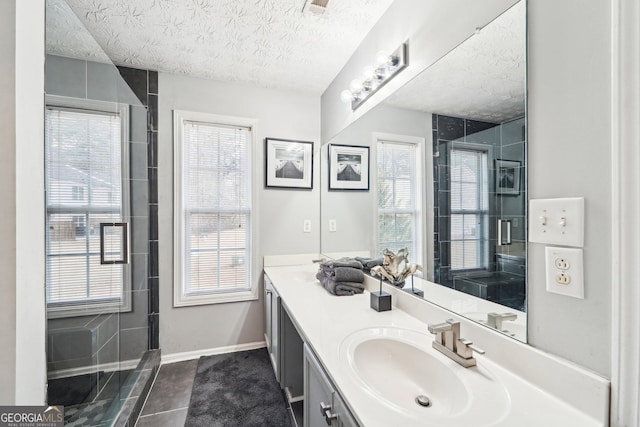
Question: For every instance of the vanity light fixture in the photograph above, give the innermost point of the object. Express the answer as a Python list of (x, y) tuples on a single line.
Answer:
[(316, 7), (374, 77)]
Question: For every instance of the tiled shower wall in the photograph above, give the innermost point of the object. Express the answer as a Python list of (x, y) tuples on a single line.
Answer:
[(507, 142), (144, 84)]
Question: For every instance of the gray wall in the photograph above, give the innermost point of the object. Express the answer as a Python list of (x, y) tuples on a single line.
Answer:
[(570, 155), (7, 206), (280, 213)]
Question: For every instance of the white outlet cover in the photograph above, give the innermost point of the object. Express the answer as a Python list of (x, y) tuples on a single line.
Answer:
[(546, 221), (306, 226), (575, 288)]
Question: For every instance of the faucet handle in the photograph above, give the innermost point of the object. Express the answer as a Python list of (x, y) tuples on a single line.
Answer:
[(467, 348), (494, 320)]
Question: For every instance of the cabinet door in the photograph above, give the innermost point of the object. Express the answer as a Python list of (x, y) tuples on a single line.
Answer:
[(267, 312), (318, 393), (344, 415), (272, 325)]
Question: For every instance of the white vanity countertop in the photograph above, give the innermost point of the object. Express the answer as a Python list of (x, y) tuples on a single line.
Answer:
[(326, 320)]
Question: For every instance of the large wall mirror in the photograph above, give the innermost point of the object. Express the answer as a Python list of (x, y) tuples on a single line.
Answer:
[(448, 178)]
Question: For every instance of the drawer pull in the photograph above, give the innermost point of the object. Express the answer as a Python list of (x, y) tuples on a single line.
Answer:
[(325, 410)]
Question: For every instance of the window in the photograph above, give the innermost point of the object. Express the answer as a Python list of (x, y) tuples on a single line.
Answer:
[(213, 217), (399, 198), (77, 193), (85, 148), (469, 209)]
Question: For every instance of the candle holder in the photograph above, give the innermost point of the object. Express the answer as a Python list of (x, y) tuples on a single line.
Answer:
[(381, 301)]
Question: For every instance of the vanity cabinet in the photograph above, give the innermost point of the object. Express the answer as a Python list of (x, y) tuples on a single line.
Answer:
[(323, 405), (272, 307)]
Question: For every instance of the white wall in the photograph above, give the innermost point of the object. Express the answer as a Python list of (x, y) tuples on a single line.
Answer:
[(432, 28), (22, 359), (7, 202), (280, 114), (569, 134)]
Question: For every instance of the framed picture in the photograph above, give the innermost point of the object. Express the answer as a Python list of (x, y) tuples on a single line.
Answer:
[(289, 164), (508, 177), (348, 167)]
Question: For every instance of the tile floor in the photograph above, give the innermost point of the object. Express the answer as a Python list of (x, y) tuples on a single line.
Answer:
[(168, 399)]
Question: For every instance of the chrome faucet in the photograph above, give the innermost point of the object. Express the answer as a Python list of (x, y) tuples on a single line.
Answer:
[(449, 343), (494, 320)]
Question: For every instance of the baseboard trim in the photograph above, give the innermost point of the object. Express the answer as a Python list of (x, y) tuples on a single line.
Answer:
[(196, 354)]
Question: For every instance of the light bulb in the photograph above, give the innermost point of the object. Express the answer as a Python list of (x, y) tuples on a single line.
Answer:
[(346, 96), (382, 57), (355, 85), (368, 72)]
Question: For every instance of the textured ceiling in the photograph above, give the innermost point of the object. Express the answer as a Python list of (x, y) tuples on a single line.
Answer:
[(483, 78), (268, 43)]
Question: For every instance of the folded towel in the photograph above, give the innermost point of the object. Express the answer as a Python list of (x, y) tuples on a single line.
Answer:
[(343, 274), (343, 262), (339, 288), (369, 263)]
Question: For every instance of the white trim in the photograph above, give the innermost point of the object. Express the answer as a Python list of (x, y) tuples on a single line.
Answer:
[(196, 354), (179, 299), (421, 172), (59, 311), (625, 195), (106, 367)]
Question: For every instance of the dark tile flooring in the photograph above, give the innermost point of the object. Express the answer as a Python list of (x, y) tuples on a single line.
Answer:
[(168, 400)]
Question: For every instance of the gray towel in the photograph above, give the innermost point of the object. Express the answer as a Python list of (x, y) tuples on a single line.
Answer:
[(339, 288), (344, 274), (369, 263), (343, 262)]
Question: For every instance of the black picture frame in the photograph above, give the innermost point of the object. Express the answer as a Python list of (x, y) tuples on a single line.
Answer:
[(348, 167), (288, 164), (507, 177)]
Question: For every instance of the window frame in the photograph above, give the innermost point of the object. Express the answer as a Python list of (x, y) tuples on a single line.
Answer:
[(180, 298), (420, 207), (484, 215), (77, 309)]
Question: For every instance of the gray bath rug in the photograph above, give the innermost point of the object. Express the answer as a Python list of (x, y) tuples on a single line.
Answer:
[(237, 389)]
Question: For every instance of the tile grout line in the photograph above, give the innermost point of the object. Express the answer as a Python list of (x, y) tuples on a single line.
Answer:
[(164, 412)]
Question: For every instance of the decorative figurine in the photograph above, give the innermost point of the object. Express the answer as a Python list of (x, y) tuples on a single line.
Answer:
[(396, 268)]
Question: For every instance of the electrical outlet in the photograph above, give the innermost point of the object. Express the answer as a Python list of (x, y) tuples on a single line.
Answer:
[(565, 274), (306, 226), (332, 225), (562, 264)]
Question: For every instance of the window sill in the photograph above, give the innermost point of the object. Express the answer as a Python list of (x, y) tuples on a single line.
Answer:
[(210, 299)]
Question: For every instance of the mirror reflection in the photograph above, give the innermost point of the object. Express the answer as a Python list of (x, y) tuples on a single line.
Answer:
[(448, 178)]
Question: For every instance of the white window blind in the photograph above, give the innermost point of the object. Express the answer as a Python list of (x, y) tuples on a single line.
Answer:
[(398, 198), (83, 189), (216, 208), (469, 209)]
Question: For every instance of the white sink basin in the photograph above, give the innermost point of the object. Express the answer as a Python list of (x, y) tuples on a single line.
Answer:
[(397, 365)]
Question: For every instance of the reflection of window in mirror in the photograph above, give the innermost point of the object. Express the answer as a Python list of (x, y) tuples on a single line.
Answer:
[(399, 200), (469, 209)]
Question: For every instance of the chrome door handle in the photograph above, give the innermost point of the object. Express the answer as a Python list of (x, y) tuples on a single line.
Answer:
[(325, 410)]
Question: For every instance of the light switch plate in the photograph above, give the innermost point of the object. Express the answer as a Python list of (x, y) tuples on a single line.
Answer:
[(557, 221), (565, 274)]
